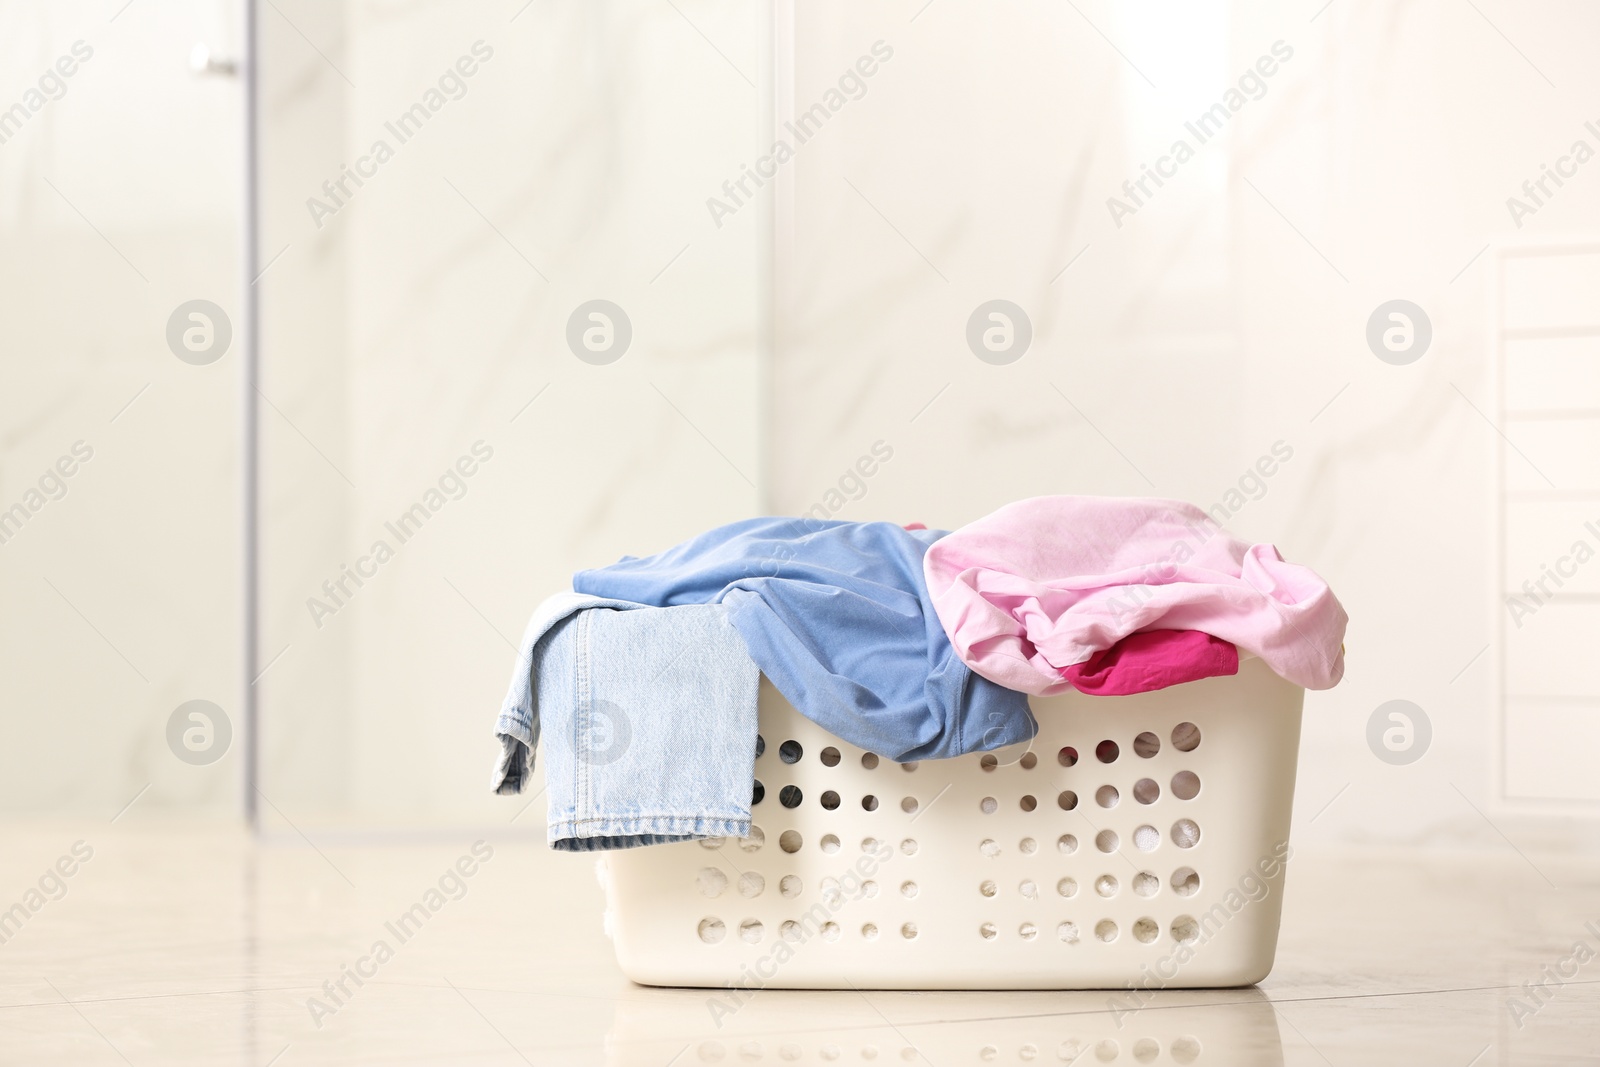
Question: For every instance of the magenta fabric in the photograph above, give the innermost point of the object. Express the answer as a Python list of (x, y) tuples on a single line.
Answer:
[(1043, 584), (1154, 659)]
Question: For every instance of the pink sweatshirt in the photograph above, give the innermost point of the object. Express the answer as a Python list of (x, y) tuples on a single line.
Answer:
[(1043, 584)]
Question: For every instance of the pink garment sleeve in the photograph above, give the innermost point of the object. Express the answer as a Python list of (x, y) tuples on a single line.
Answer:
[(1154, 659)]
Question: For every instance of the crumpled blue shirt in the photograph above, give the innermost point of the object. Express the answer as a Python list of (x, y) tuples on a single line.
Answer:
[(838, 616)]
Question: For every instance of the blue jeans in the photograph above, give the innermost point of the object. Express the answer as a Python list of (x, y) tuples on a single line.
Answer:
[(648, 719)]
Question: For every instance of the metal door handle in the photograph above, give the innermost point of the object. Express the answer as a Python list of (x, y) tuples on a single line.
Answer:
[(202, 62)]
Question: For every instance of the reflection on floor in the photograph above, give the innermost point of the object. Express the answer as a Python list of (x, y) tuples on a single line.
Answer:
[(184, 945)]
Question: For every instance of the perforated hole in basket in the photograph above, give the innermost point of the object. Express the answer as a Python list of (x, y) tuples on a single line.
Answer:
[(790, 796), (1146, 745), (1186, 737), (790, 752), (830, 757), (1186, 785)]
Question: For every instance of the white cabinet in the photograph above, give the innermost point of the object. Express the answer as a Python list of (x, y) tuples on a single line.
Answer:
[(1546, 345)]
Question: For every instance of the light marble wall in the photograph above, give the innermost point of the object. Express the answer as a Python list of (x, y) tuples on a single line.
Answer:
[(571, 164), (306, 687), (429, 312), (1226, 314)]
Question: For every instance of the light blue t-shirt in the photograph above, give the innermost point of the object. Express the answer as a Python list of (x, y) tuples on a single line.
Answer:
[(838, 616)]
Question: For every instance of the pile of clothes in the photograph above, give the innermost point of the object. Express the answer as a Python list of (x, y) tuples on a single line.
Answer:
[(908, 642)]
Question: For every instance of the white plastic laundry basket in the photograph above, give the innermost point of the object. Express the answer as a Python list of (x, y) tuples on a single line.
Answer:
[(1137, 839)]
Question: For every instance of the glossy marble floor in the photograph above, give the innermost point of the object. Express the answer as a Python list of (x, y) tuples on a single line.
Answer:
[(189, 946)]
